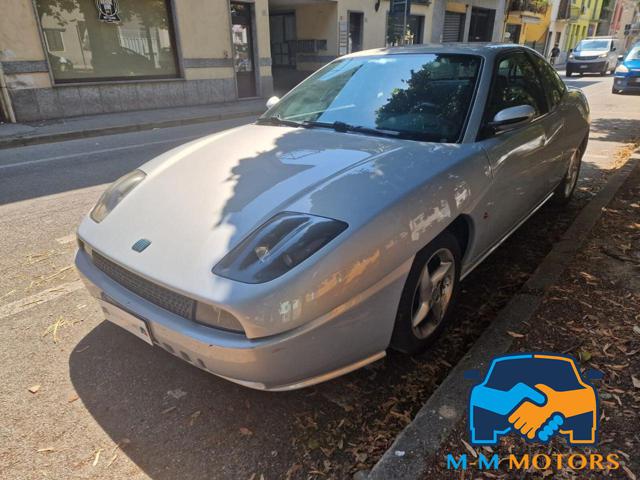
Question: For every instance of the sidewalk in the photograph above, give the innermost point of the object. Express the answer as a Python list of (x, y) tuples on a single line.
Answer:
[(13, 135)]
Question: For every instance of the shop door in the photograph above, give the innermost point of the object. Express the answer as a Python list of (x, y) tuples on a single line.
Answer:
[(481, 25), (453, 27), (243, 57)]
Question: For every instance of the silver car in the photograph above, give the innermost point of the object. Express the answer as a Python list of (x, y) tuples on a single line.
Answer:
[(301, 247)]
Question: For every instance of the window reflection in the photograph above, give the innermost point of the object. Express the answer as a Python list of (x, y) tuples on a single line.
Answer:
[(81, 46)]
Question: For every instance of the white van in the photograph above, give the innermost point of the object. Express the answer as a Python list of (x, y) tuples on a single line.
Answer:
[(593, 55)]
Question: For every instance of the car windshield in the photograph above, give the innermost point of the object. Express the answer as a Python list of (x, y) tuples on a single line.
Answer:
[(593, 45), (634, 54), (418, 96)]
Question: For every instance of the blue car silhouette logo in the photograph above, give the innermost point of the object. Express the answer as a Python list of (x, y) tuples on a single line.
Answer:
[(537, 395)]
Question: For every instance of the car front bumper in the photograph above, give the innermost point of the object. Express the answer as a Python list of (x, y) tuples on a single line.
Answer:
[(627, 83), (586, 66), (342, 341)]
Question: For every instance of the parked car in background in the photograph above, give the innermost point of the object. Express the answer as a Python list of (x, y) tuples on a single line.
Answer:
[(301, 247), (593, 55), (627, 75)]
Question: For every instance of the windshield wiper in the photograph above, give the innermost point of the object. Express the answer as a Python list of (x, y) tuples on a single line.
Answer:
[(278, 121), (345, 127)]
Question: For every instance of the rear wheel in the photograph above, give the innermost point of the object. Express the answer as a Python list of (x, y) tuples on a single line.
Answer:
[(564, 191), (428, 296)]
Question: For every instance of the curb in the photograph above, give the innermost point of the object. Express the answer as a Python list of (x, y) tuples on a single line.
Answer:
[(94, 132), (408, 456)]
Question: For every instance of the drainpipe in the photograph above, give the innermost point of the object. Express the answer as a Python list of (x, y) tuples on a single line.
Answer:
[(5, 100)]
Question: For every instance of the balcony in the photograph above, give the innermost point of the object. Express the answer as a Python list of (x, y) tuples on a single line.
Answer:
[(577, 11), (529, 6)]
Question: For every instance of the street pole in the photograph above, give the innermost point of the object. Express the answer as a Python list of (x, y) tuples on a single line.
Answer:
[(404, 23)]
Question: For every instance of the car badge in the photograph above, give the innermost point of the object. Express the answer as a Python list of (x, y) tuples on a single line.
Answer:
[(140, 245)]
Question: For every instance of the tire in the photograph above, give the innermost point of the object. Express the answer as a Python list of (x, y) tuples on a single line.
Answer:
[(568, 73), (604, 71), (564, 191), (418, 323), (615, 91)]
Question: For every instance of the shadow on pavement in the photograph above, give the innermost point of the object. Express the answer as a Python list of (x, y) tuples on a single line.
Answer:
[(615, 129)]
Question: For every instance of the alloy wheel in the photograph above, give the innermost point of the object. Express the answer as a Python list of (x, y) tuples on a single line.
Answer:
[(572, 174), (433, 293)]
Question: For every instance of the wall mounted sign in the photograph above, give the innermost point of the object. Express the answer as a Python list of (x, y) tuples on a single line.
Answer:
[(108, 10)]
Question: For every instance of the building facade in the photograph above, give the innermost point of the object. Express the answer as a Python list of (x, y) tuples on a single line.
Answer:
[(528, 23), (65, 58), (625, 23)]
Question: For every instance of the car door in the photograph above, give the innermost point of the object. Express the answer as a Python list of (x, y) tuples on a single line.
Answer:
[(560, 143), (517, 156)]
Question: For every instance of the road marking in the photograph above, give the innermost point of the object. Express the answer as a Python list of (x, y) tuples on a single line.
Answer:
[(31, 301), (96, 152), (66, 239)]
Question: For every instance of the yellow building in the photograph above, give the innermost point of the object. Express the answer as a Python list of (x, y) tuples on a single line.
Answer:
[(528, 23), (583, 21)]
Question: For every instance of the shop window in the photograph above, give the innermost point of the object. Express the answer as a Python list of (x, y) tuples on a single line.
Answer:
[(108, 40)]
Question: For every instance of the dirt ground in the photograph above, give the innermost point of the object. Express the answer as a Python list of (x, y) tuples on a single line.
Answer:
[(593, 314)]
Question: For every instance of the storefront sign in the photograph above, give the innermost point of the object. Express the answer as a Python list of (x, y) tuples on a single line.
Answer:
[(108, 10)]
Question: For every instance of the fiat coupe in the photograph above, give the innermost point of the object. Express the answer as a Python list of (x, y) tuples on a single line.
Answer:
[(301, 247)]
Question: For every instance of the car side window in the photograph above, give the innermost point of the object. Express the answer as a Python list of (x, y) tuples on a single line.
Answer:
[(516, 82), (553, 84)]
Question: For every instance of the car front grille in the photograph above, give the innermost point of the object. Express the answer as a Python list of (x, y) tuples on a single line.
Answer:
[(590, 57), (160, 296)]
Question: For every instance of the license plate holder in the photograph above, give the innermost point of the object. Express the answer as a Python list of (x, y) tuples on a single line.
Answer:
[(124, 319), (584, 66)]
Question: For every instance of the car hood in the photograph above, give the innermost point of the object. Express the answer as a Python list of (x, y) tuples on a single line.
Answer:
[(632, 64), (201, 199)]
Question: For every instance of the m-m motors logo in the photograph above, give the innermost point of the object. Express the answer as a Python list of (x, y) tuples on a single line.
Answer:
[(537, 396)]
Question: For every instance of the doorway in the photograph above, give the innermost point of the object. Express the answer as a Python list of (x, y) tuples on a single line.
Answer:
[(243, 50), (481, 24), (356, 24)]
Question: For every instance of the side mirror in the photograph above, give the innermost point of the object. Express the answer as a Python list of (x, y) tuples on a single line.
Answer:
[(272, 101), (512, 117)]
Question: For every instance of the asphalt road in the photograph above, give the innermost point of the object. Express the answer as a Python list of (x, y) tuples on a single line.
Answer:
[(108, 406)]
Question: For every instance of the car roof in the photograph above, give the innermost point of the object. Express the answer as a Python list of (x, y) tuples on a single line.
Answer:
[(482, 49)]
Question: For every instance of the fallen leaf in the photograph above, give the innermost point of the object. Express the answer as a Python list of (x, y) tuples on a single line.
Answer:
[(46, 449), (629, 473), (97, 457), (471, 450), (193, 417), (34, 389), (636, 329), (636, 381), (514, 334), (584, 355), (245, 431), (72, 398), (167, 410)]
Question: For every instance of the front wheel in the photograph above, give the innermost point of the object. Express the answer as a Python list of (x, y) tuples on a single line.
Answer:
[(564, 191), (568, 73), (428, 296)]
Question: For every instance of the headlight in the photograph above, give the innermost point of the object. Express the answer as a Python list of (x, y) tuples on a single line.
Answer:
[(602, 55), (115, 193), (622, 69), (274, 248)]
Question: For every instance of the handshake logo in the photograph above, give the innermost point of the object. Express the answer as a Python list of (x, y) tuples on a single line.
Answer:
[(537, 395)]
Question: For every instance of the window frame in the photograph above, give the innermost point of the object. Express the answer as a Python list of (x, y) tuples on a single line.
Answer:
[(174, 34), (482, 130), (550, 107)]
